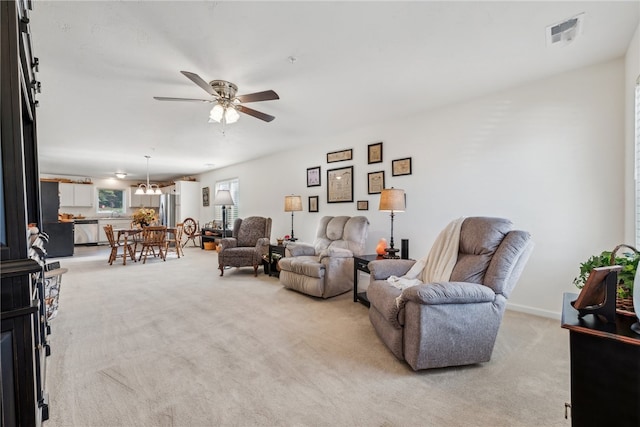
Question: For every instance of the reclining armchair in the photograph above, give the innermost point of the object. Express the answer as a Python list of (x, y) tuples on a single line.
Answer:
[(248, 244), (325, 268), (455, 322)]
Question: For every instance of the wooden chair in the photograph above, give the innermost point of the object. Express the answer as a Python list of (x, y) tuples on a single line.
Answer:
[(174, 241), (153, 237), (115, 245), (135, 237), (191, 230)]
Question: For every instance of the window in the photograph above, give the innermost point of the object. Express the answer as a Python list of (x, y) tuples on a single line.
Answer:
[(111, 200), (232, 211)]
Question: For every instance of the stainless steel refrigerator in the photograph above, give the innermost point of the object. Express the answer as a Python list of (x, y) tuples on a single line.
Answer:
[(168, 210)]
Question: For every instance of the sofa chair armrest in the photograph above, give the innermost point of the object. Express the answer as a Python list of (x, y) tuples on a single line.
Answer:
[(449, 293), (384, 268), (336, 253), (262, 245), (299, 249), (228, 242)]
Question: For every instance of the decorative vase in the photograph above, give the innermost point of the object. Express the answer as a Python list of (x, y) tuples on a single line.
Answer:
[(382, 245), (636, 301)]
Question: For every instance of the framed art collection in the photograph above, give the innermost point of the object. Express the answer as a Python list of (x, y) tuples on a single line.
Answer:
[(313, 203), (313, 176), (340, 185), (363, 205)]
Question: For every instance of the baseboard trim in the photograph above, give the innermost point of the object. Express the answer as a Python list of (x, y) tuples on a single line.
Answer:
[(534, 311)]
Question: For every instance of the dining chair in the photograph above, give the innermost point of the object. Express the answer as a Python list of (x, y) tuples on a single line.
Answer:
[(191, 230), (174, 240), (153, 237), (116, 245), (135, 237)]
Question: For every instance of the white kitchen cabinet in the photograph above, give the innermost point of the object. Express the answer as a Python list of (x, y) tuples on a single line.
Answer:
[(78, 195), (143, 200)]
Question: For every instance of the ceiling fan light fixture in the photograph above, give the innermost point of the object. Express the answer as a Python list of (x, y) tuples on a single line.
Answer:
[(216, 113), (231, 115)]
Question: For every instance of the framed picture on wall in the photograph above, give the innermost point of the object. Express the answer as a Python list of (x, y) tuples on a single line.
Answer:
[(313, 203), (340, 185), (363, 205), (339, 156), (375, 182), (205, 196), (313, 176), (401, 167), (374, 153)]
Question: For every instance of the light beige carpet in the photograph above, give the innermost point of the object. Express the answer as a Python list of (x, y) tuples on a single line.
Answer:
[(173, 344)]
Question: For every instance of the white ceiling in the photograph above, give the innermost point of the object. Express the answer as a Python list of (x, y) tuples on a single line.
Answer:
[(356, 63)]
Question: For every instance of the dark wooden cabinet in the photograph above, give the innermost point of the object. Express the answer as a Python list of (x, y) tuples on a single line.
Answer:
[(23, 337), (605, 369)]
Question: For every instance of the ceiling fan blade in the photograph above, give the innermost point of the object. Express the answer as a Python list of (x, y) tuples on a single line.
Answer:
[(200, 82), (254, 113), (267, 95), (164, 98)]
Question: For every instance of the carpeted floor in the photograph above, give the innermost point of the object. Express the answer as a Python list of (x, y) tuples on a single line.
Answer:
[(173, 344)]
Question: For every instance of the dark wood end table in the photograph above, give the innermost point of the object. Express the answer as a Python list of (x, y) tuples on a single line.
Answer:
[(361, 263), (273, 249)]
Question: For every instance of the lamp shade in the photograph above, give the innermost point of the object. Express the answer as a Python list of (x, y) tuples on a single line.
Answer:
[(392, 200), (223, 198), (292, 203)]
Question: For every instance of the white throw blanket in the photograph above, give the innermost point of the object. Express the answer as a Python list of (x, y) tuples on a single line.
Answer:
[(437, 265)]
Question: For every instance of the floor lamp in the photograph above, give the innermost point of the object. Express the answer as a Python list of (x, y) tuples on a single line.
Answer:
[(292, 204), (392, 200), (223, 198)]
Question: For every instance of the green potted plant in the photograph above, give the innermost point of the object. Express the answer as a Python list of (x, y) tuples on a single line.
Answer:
[(629, 262)]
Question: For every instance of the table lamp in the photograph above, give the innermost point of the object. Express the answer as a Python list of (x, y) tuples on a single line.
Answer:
[(223, 198), (292, 204), (392, 200)]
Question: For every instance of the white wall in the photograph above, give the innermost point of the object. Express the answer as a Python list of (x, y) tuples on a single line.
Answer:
[(548, 155), (632, 73)]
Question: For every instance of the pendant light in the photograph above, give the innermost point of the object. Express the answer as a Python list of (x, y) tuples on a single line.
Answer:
[(148, 188)]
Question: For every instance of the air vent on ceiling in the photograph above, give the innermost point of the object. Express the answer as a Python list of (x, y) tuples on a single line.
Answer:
[(566, 31)]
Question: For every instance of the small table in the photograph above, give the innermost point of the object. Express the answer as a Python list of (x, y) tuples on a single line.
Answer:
[(214, 236), (273, 249), (361, 263), (605, 368)]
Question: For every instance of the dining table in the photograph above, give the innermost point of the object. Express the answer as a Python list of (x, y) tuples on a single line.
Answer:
[(125, 233)]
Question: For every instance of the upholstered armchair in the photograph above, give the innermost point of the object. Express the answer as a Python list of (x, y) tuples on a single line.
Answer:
[(249, 242), (453, 322), (325, 268)]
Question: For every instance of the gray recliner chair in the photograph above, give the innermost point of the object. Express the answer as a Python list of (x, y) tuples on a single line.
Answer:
[(250, 242), (456, 322), (325, 268)]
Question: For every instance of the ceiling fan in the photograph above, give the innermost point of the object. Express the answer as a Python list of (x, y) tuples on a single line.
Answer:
[(227, 104)]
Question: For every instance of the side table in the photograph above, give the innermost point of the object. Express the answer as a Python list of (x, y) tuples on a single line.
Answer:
[(273, 249), (605, 369), (361, 263)]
